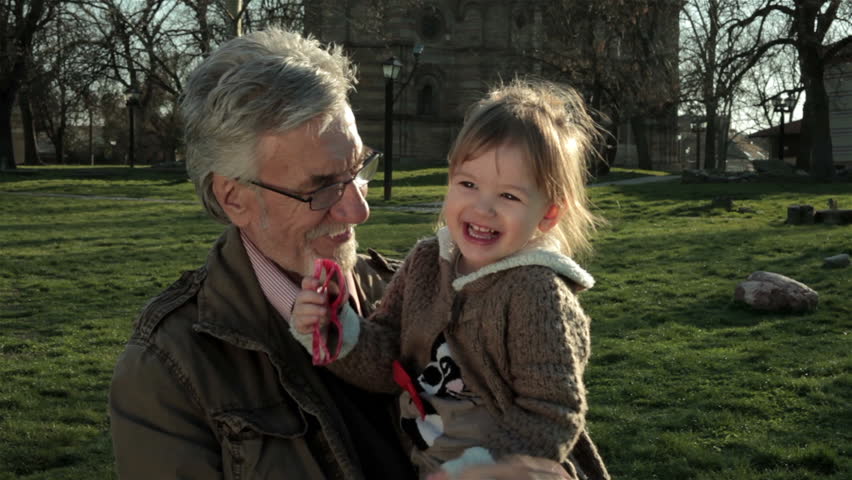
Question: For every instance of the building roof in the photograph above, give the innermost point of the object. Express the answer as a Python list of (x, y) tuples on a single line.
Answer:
[(791, 128), (843, 56)]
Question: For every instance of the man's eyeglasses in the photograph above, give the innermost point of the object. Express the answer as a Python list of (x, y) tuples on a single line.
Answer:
[(327, 196)]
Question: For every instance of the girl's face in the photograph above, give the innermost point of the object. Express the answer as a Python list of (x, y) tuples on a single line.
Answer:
[(494, 207)]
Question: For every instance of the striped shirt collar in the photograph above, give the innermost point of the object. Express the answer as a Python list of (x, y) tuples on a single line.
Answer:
[(278, 288)]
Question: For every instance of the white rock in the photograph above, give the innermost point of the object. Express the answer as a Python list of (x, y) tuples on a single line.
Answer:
[(776, 293)]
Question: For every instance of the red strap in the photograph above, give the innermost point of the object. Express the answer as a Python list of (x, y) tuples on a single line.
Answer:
[(321, 353), (401, 377)]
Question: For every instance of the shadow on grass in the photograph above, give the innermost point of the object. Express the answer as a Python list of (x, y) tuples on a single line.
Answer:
[(428, 179), (93, 173), (425, 179), (678, 192)]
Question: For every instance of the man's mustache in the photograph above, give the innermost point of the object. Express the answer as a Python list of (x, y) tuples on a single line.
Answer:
[(330, 229)]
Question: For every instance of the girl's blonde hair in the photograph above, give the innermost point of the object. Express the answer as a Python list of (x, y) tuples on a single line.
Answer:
[(550, 123)]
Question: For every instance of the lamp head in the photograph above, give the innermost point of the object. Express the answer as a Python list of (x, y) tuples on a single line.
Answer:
[(391, 68), (790, 103), (131, 96)]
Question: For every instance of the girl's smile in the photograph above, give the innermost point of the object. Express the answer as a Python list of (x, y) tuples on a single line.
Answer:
[(479, 234)]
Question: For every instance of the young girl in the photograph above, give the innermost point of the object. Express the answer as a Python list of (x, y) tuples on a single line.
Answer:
[(484, 317)]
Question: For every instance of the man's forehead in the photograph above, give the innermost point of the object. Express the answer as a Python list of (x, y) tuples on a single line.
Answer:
[(337, 137), (335, 132), (311, 159)]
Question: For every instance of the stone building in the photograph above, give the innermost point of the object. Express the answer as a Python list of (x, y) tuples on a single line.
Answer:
[(469, 45)]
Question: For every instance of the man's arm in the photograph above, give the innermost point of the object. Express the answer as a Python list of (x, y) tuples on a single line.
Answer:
[(158, 430)]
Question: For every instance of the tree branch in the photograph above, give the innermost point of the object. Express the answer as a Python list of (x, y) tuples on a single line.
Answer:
[(762, 13)]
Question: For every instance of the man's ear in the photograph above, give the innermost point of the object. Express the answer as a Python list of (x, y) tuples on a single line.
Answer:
[(550, 219), (235, 198)]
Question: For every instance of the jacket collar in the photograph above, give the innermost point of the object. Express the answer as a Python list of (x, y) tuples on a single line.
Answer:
[(540, 251), (231, 304)]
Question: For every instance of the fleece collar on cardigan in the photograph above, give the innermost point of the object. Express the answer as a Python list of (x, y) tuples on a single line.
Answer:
[(538, 252)]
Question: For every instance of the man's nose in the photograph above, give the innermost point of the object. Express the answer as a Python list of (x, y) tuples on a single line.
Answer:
[(352, 207)]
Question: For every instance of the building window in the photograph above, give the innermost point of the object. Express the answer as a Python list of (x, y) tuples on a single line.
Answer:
[(425, 101), (431, 26)]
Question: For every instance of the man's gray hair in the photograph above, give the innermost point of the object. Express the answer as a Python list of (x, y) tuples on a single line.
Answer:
[(266, 82)]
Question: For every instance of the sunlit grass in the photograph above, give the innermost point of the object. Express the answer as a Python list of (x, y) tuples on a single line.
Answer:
[(616, 174), (682, 382)]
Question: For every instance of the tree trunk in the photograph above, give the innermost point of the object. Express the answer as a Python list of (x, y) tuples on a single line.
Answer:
[(710, 137), (24, 27), (723, 137), (7, 149), (709, 88), (640, 135), (803, 155), (610, 143), (31, 156), (235, 10), (59, 143), (600, 163), (810, 32), (91, 138), (822, 160)]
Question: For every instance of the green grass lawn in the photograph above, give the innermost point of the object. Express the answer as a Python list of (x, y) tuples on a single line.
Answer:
[(682, 382)]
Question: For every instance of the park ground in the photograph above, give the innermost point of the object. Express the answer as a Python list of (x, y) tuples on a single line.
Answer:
[(683, 382)]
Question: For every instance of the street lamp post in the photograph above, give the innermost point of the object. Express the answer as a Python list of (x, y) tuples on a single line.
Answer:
[(416, 52), (131, 100), (697, 126), (782, 106), (390, 68)]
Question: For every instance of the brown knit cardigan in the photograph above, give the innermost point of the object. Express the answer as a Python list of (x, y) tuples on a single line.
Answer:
[(516, 330)]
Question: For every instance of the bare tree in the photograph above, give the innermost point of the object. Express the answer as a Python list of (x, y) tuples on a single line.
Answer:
[(62, 80), (818, 34), (284, 13), (31, 153), (130, 46), (716, 55), (774, 74), (20, 20), (621, 54)]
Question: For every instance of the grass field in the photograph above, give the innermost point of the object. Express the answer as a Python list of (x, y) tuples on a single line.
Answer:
[(682, 383)]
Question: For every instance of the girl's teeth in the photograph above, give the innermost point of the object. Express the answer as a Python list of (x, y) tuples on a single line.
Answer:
[(480, 232)]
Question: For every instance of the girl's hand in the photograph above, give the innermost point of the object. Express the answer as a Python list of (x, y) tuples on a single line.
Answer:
[(310, 307)]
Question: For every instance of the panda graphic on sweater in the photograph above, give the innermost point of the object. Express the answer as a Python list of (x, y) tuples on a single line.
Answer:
[(441, 378)]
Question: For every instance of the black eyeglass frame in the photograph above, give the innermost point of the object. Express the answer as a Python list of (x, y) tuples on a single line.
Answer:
[(372, 158)]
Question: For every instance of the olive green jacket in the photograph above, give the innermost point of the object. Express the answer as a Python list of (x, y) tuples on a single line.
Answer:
[(212, 385)]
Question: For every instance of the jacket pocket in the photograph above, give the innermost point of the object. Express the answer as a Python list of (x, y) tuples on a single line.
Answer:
[(265, 442)]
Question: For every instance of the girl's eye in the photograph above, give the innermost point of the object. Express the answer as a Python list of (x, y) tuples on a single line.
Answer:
[(509, 196), (466, 184)]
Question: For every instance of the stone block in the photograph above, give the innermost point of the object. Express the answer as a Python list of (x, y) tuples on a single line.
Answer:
[(837, 261)]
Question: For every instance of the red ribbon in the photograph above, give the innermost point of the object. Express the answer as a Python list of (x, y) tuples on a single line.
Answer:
[(401, 377), (321, 353)]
